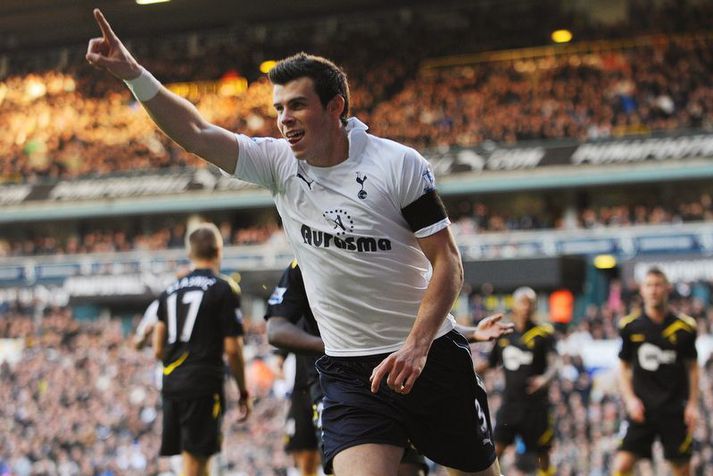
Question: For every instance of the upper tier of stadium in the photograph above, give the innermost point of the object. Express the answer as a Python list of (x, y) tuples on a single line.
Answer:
[(61, 120)]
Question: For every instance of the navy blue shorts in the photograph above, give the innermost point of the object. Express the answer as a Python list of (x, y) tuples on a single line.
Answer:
[(445, 416)]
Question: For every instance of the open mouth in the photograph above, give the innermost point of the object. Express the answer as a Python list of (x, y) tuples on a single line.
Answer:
[(293, 137)]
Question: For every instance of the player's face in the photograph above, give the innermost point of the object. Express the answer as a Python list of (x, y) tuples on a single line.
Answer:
[(523, 307), (654, 290), (301, 117)]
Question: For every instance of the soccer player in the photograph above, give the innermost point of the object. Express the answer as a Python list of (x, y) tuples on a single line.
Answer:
[(199, 320), (380, 265), (530, 362), (291, 326), (283, 313), (658, 380)]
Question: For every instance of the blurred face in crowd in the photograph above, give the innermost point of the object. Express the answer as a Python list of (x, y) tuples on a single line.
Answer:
[(303, 120), (523, 307), (654, 291)]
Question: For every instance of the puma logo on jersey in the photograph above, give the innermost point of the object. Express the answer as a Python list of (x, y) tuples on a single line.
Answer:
[(309, 183)]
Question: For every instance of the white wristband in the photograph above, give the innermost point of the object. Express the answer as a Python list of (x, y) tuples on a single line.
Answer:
[(144, 87)]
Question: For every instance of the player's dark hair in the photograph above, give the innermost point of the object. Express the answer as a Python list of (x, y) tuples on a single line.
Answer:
[(204, 242), (656, 271), (328, 78)]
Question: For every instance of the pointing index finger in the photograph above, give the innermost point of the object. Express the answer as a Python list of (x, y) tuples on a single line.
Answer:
[(107, 32)]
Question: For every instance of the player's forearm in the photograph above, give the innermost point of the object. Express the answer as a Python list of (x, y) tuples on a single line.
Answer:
[(285, 335), (181, 121), (553, 366), (693, 382), (236, 363), (177, 117), (625, 380), (442, 291)]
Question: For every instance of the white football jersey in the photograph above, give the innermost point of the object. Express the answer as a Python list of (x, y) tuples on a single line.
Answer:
[(364, 272)]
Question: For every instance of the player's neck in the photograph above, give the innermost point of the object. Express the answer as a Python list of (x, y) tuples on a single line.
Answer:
[(656, 314), (335, 152), (520, 324), (206, 264)]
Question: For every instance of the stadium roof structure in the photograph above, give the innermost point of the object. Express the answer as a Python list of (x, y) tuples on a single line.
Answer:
[(37, 23)]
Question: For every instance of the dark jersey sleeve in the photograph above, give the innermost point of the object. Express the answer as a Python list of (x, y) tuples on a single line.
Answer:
[(289, 298), (627, 349), (688, 349), (550, 344), (231, 319), (495, 357), (161, 310)]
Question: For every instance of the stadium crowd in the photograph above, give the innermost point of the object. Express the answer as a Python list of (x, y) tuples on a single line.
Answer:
[(470, 218), (70, 122), (473, 217), (80, 400), (653, 87)]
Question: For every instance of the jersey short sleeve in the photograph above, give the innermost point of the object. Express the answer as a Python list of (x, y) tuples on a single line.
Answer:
[(495, 356), (288, 299), (688, 341), (626, 353), (262, 160), (420, 204), (161, 308), (231, 318)]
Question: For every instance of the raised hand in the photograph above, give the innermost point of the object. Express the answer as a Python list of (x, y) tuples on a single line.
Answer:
[(109, 53), (491, 328)]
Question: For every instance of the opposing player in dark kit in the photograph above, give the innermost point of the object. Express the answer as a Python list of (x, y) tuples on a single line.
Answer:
[(199, 321), (530, 362), (658, 380)]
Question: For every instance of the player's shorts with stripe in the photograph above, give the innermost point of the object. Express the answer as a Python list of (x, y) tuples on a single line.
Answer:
[(300, 431), (669, 426), (532, 421), (411, 456), (192, 425), (445, 416)]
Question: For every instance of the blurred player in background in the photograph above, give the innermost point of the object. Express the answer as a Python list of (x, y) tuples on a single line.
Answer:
[(292, 328), (658, 380), (530, 362), (146, 325), (199, 321)]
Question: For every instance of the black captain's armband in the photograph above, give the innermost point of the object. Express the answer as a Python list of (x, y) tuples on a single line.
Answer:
[(425, 211)]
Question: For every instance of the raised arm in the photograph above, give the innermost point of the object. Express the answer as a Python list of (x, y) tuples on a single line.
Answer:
[(174, 115)]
